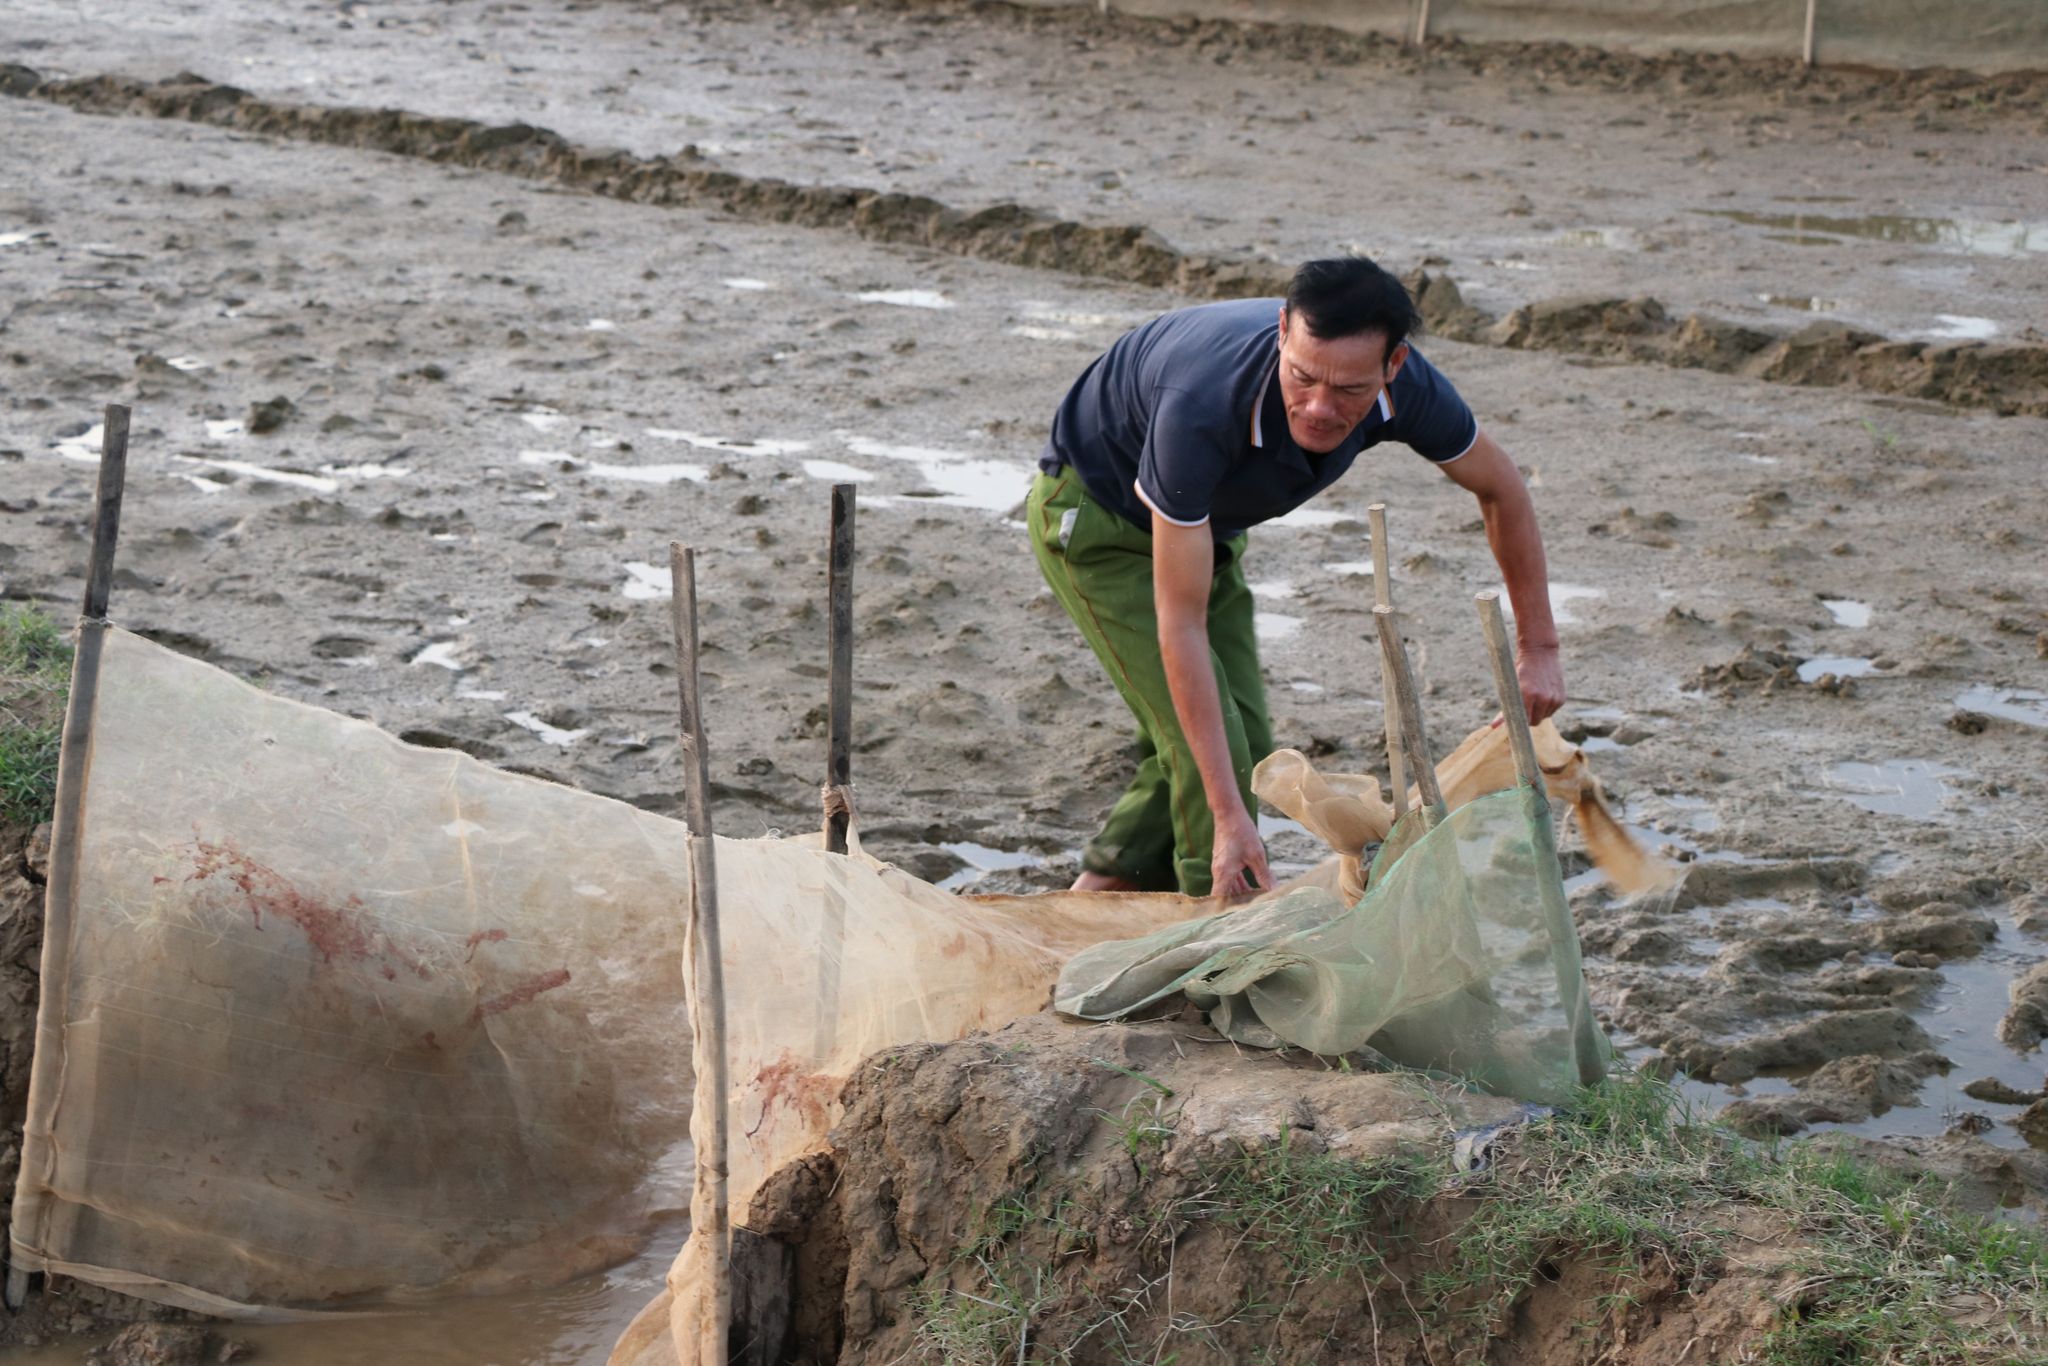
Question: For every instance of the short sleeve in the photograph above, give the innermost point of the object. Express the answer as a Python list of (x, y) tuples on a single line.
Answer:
[(1430, 415), (1188, 449)]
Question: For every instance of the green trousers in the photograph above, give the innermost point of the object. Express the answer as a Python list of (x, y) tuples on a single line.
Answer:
[(1160, 832)]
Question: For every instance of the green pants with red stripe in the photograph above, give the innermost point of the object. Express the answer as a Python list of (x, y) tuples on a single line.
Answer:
[(1160, 832)]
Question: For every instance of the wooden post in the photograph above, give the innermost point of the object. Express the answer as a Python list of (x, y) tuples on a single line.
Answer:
[(707, 978), (1422, 24), (1413, 734), (1557, 915), (1806, 48), (1383, 596), (74, 753), (839, 720)]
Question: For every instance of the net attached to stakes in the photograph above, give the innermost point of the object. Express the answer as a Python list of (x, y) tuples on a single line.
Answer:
[(1446, 962), (330, 1021)]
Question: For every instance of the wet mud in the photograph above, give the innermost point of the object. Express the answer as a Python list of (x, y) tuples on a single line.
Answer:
[(1805, 647), (2007, 378)]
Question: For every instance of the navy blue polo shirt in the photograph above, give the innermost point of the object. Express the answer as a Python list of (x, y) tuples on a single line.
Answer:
[(1184, 416)]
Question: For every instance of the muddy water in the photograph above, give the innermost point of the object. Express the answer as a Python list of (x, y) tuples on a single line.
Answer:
[(570, 1325)]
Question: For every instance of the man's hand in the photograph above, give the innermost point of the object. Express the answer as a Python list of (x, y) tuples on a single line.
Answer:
[(1542, 677), (1238, 851)]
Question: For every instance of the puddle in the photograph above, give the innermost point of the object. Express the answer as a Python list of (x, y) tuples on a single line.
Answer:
[(1848, 612), (1072, 318), (545, 733), (1974, 237), (574, 1323), (1307, 517), (1841, 666), (1274, 626), (542, 419), (85, 447), (731, 445), (365, 471), (837, 473), (1600, 744), (2028, 706), (635, 474), (1760, 459), (1804, 303), (1272, 588), (1562, 595), (318, 483), (1669, 813), (955, 478), (1609, 239), (442, 653), (600, 325), (1351, 568), (648, 582), (1961, 1015), (905, 298), (1035, 333), (1304, 685), (16, 239), (741, 282), (1897, 787), (1963, 327), (188, 364), (484, 694), (982, 860)]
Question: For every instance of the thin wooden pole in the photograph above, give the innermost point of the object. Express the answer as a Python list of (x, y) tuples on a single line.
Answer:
[(1557, 914), (1806, 48), (839, 721), (707, 978), (68, 821), (1412, 730), (1383, 596), (1422, 24)]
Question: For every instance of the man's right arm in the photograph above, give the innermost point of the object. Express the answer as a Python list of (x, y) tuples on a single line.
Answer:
[(1183, 564)]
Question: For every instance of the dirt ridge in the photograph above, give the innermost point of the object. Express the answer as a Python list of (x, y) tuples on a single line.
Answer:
[(1927, 92), (2006, 378)]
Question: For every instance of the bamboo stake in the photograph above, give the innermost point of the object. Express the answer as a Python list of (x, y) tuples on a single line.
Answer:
[(1413, 734), (68, 819), (1557, 915), (1806, 48), (839, 722), (707, 979), (1383, 596), (1422, 24)]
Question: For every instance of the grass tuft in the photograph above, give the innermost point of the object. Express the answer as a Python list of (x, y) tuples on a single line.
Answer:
[(35, 673), (1627, 1181)]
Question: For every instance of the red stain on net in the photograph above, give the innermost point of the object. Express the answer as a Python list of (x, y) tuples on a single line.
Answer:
[(785, 1082), (519, 995), (336, 932), (484, 937)]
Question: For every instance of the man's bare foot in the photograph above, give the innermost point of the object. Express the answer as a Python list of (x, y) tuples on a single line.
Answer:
[(1103, 882)]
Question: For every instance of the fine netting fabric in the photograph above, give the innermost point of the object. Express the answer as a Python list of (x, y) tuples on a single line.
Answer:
[(334, 1020), (1445, 963), (333, 1016), (330, 1020)]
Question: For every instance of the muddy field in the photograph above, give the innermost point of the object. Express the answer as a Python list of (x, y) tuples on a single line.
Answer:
[(411, 439)]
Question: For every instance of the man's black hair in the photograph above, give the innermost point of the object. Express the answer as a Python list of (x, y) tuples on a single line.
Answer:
[(1342, 296)]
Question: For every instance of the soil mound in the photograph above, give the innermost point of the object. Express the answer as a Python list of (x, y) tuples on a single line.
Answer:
[(1060, 1192)]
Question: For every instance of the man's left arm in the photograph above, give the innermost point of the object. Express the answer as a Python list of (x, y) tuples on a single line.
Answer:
[(1510, 514)]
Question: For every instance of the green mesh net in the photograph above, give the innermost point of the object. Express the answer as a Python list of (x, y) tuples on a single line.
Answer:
[(1460, 958)]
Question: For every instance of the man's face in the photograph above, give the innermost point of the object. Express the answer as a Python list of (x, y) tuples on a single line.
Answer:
[(1329, 384)]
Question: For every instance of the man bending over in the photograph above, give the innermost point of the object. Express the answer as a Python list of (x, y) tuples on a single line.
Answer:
[(1197, 425)]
